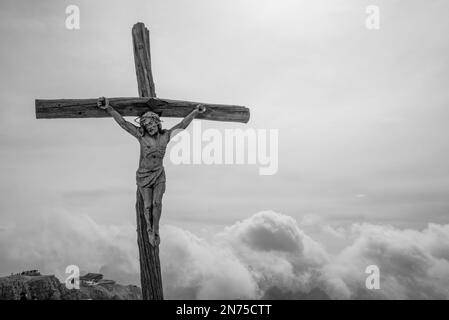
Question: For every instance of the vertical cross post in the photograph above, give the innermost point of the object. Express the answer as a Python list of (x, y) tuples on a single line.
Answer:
[(150, 267)]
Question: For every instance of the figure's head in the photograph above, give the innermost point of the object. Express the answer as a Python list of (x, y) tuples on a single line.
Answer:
[(151, 122)]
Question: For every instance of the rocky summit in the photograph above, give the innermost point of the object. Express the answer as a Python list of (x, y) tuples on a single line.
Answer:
[(48, 287)]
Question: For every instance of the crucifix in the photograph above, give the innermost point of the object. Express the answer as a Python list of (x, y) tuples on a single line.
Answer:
[(150, 177)]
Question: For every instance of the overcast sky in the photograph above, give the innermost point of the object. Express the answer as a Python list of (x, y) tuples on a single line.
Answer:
[(362, 114)]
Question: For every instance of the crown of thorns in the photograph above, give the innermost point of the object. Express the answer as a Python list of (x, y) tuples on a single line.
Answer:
[(147, 118)]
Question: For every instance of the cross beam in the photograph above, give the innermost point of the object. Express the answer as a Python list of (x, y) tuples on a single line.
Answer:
[(87, 108)]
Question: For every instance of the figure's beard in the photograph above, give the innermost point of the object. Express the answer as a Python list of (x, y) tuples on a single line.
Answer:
[(153, 133)]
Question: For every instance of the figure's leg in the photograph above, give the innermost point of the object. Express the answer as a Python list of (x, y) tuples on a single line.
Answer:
[(158, 193), (147, 195)]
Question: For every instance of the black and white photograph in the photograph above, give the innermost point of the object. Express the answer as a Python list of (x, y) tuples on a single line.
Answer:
[(241, 151)]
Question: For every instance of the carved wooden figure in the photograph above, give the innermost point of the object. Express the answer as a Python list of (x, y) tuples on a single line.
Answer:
[(150, 176)]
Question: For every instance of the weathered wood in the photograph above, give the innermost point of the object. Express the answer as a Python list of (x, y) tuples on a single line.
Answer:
[(86, 108), (142, 60), (150, 265)]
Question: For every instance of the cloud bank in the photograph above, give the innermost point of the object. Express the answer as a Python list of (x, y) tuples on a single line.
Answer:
[(266, 256)]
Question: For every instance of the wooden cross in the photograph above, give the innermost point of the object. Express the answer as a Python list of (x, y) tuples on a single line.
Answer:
[(150, 269)]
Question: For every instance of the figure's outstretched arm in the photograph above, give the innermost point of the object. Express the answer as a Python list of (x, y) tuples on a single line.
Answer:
[(187, 120), (103, 103)]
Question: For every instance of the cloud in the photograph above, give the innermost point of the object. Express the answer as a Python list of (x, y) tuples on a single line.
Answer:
[(267, 231), (277, 259), (195, 269), (277, 252), (413, 264), (268, 255)]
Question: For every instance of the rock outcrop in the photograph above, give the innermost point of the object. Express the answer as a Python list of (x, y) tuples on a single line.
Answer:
[(48, 287)]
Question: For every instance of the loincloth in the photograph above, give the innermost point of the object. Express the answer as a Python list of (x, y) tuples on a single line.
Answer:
[(149, 178)]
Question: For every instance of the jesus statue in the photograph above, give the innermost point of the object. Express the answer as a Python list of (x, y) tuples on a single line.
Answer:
[(150, 176)]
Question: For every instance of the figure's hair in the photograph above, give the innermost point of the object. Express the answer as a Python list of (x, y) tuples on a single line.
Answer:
[(149, 116)]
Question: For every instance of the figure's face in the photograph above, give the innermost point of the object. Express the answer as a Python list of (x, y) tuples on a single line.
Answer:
[(152, 128)]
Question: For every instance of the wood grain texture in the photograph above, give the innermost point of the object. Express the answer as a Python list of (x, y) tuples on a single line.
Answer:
[(86, 108), (150, 265), (142, 60)]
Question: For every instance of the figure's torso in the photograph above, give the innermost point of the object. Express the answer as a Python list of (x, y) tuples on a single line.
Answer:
[(152, 150)]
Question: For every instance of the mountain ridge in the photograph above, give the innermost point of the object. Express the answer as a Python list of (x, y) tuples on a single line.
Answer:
[(48, 287)]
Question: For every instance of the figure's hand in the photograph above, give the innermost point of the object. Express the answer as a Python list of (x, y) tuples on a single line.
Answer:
[(103, 103), (200, 108)]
